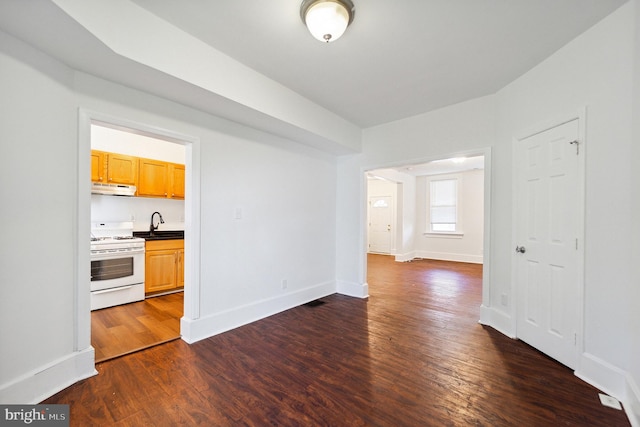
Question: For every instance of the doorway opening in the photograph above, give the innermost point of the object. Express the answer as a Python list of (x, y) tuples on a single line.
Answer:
[(123, 320), (159, 319), (414, 222)]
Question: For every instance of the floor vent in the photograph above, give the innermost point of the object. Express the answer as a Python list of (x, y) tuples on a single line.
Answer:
[(609, 401), (314, 303)]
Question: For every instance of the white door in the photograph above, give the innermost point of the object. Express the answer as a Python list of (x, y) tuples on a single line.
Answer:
[(547, 255), (380, 224)]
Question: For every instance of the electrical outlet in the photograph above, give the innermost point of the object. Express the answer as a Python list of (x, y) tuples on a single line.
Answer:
[(284, 283)]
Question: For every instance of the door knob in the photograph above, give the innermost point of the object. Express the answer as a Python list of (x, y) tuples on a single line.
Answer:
[(520, 249)]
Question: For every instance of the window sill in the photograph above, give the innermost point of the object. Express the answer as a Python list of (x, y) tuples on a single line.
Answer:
[(445, 234)]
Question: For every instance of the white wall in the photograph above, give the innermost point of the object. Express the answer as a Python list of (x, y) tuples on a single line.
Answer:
[(634, 296), (38, 169), (594, 70), (284, 190), (466, 247)]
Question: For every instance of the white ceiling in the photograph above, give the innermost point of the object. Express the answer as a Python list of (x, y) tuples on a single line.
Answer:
[(399, 58)]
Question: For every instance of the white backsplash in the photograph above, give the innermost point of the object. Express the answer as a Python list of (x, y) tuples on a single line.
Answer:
[(137, 209)]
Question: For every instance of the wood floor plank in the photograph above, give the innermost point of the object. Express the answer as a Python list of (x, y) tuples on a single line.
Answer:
[(127, 328), (412, 354)]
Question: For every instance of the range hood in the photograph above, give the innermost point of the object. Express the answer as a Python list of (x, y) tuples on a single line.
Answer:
[(113, 189)]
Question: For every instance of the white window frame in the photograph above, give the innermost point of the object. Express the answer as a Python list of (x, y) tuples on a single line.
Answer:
[(457, 232)]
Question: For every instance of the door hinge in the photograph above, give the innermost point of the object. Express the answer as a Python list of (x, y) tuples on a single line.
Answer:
[(575, 339), (577, 146), (576, 244)]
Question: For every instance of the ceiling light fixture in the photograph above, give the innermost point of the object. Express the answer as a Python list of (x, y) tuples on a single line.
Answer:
[(327, 19)]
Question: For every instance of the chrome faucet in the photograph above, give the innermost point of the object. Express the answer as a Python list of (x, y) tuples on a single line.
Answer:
[(152, 227)]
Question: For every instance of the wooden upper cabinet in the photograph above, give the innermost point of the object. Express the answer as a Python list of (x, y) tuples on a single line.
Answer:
[(154, 178), (122, 169), (176, 181), (98, 166)]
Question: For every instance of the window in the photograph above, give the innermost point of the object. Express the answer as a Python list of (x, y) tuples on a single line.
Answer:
[(380, 203), (443, 205)]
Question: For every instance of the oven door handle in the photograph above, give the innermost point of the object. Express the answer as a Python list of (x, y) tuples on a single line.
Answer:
[(106, 291), (114, 253)]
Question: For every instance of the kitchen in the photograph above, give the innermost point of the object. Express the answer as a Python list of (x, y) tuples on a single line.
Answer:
[(137, 240)]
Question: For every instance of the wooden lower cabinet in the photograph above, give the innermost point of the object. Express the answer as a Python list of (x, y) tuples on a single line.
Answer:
[(164, 265)]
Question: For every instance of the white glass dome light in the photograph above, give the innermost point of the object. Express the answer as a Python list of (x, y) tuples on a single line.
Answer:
[(327, 20)]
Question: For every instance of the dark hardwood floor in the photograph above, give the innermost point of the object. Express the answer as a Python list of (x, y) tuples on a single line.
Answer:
[(413, 354), (124, 329)]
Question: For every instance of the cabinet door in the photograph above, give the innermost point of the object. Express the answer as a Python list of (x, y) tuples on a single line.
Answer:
[(160, 270), (180, 269), (122, 169), (98, 159), (176, 174), (153, 179)]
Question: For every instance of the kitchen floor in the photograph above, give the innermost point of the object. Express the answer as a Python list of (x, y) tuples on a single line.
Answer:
[(124, 329)]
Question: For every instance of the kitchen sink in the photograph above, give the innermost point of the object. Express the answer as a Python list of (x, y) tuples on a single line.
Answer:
[(160, 234)]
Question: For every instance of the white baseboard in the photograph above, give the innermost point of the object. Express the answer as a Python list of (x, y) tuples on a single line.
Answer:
[(352, 289), (444, 256), (193, 330), (498, 320), (405, 257), (631, 401), (44, 382), (613, 381)]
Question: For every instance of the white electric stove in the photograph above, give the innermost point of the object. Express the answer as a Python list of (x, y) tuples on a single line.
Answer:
[(117, 265)]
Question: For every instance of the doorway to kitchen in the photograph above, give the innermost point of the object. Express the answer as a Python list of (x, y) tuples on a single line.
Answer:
[(137, 201), (118, 328)]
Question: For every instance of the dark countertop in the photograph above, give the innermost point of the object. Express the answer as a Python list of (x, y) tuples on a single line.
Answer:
[(160, 234)]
